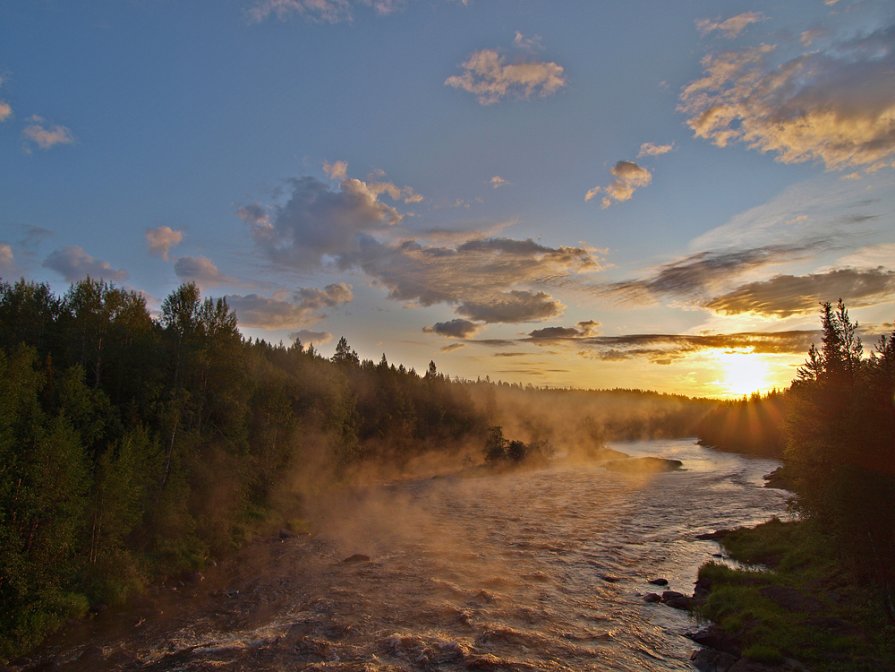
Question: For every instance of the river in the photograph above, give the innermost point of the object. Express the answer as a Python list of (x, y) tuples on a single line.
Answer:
[(523, 570)]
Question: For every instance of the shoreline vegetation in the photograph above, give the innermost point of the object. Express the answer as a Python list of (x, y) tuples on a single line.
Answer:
[(135, 450), (791, 605)]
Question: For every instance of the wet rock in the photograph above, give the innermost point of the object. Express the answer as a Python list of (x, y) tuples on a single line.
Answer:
[(659, 582), (652, 598), (608, 578), (677, 600), (715, 638), (92, 654), (337, 630), (357, 557), (711, 660)]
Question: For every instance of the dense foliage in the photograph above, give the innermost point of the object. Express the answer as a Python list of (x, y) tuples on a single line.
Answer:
[(133, 448), (756, 426), (841, 449)]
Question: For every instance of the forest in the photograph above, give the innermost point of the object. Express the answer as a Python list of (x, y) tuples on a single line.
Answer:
[(135, 448)]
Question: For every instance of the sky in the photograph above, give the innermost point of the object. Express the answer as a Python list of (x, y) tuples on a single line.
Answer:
[(650, 195)]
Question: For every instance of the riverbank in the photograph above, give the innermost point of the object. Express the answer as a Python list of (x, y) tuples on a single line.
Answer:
[(792, 605)]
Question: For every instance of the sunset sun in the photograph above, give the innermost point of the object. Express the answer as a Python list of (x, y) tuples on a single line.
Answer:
[(743, 373)]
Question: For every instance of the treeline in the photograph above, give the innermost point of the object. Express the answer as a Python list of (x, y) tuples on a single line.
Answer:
[(755, 426), (841, 447), (134, 448), (834, 428)]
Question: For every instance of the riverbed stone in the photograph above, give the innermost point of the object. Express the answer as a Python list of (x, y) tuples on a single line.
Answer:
[(652, 598), (677, 600), (357, 557), (712, 660), (659, 582)]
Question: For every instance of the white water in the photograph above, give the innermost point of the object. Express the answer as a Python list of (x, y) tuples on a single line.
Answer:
[(540, 570)]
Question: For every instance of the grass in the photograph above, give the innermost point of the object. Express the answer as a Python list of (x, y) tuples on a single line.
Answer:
[(803, 606)]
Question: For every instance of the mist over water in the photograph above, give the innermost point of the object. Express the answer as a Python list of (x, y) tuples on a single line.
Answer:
[(542, 570)]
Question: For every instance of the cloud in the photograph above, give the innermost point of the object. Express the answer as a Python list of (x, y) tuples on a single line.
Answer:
[(351, 228), (317, 225), (476, 274), (282, 313), (457, 328), (312, 337), (337, 170), (487, 76), (513, 306), (450, 347), (161, 239), (731, 27), (325, 11), (200, 270), (7, 260), (46, 136), (583, 330), (628, 177), (5, 111), (651, 149), (836, 106), (785, 295), (665, 348), (73, 263), (695, 275), (331, 295), (822, 204), (497, 182), (528, 43)]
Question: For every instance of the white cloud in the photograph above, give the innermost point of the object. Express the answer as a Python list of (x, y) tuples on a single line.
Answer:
[(628, 177), (487, 76), (5, 111), (326, 11), (161, 239), (731, 27), (497, 182), (836, 106), (528, 42), (74, 263), (45, 135), (337, 170), (652, 149)]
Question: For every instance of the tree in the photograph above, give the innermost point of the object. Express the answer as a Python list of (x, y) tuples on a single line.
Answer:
[(841, 447), (344, 355)]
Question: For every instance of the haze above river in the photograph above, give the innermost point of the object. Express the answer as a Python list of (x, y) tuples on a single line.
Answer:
[(542, 569)]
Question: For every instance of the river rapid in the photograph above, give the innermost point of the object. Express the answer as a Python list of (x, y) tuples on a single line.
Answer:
[(522, 570)]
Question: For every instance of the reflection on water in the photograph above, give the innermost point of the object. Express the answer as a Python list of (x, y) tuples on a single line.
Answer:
[(541, 570)]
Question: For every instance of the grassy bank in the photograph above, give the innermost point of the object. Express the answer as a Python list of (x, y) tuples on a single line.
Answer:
[(797, 601)]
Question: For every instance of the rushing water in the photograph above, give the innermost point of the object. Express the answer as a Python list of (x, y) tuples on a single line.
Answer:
[(525, 570)]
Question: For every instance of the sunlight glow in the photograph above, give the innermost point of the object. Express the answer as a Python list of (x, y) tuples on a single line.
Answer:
[(744, 373)]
